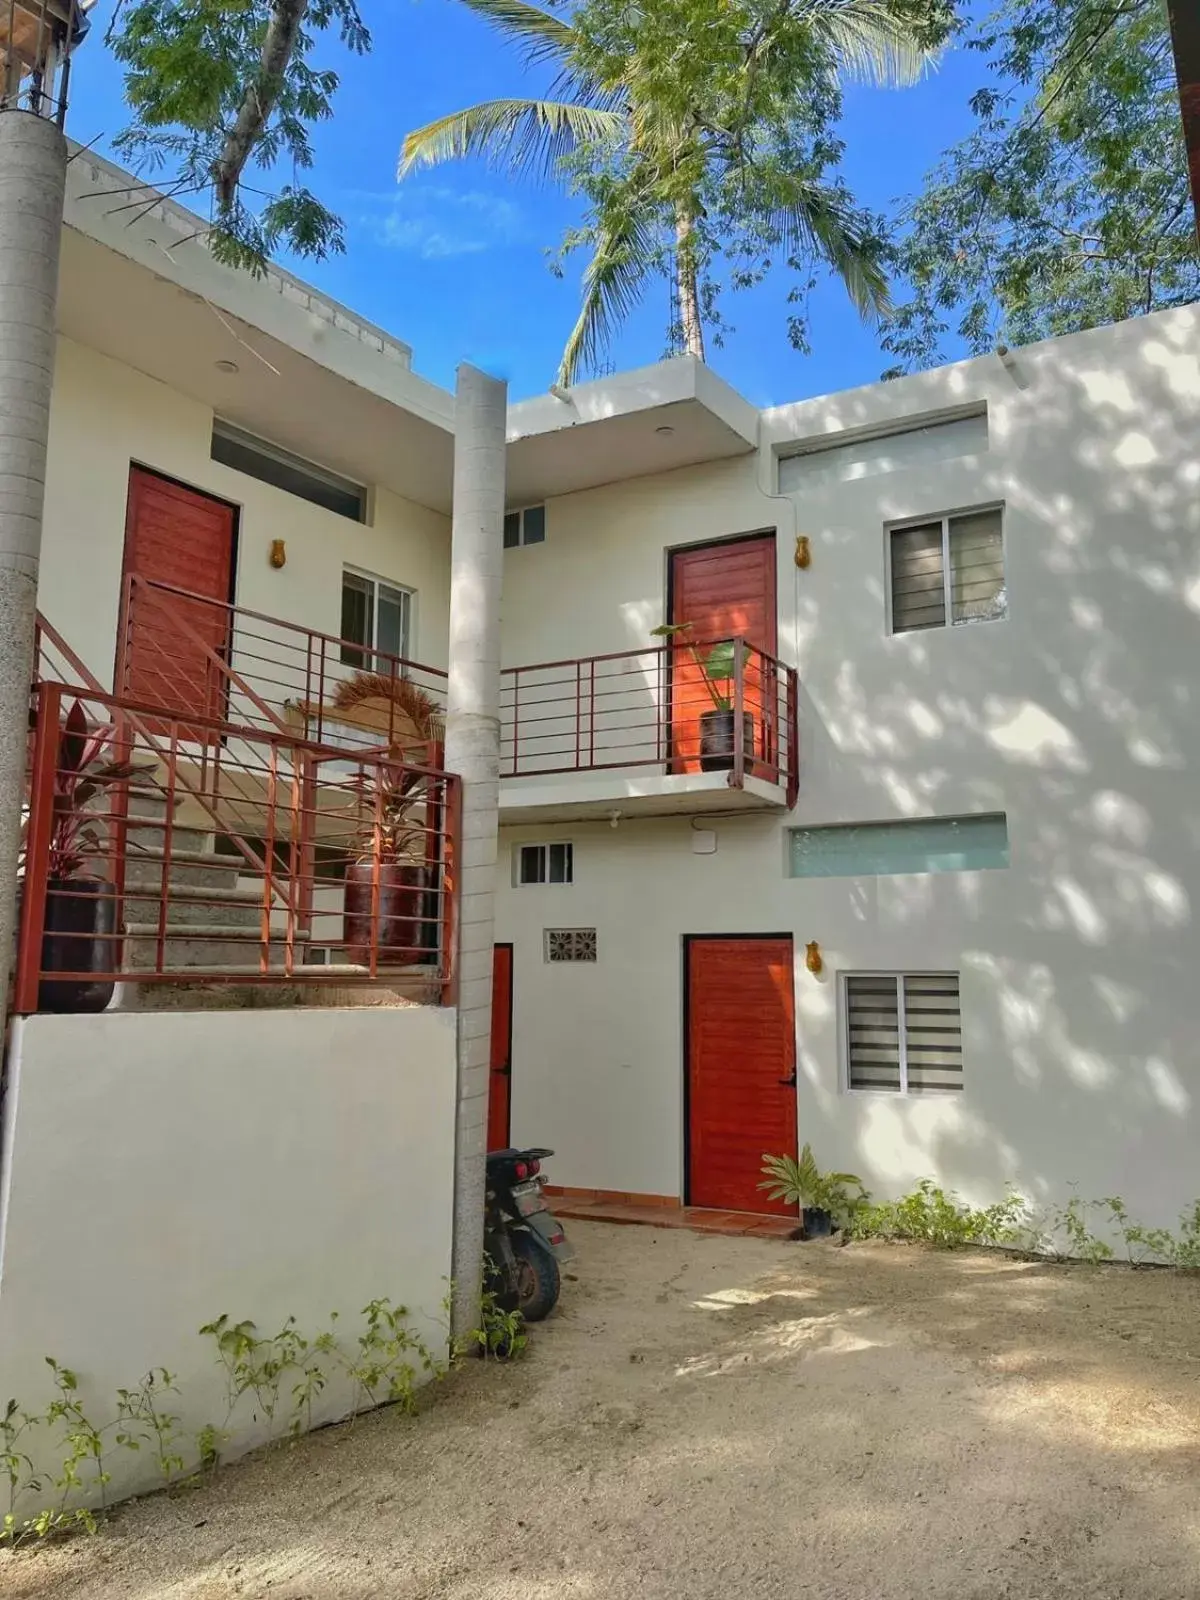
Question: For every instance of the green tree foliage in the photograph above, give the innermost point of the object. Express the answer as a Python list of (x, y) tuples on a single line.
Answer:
[(219, 86), (1068, 205), (702, 138)]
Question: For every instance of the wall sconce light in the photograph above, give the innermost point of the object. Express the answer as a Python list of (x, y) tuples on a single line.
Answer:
[(812, 958), (803, 550), (278, 555)]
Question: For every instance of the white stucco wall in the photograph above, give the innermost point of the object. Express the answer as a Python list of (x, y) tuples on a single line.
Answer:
[(160, 1169), (106, 416), (1076, 716)]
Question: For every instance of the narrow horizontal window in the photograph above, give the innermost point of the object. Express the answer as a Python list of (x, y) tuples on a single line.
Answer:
[(270, 463), (906, 445), (876, 849)]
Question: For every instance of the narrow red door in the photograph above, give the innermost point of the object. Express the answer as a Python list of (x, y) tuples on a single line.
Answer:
[(181, 538), (741, 1068), (726, 591), (501, 1074)]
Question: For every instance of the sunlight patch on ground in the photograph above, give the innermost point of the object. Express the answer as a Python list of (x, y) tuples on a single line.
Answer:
[(781, 1341)]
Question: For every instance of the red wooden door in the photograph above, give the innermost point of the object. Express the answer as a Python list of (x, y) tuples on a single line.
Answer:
[(501, 1073), (741, 1068), (726, 591), (185, 539)]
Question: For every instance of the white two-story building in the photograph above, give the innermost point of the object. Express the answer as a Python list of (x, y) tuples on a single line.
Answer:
[(967, 794), (889, 847)]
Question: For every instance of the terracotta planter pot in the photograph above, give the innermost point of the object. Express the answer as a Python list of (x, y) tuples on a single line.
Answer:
[(407, 929), (80, 936), (717, 744)]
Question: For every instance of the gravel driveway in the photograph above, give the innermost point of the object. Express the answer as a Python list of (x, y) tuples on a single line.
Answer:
[(730, 1417)]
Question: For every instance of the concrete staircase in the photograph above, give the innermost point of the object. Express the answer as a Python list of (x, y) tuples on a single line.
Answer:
[(214, 925)]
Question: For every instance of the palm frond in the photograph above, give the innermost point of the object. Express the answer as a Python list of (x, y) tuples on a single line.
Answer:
[(820, 221), (612, 285), (543, 36), (528, 137), (868, 42)]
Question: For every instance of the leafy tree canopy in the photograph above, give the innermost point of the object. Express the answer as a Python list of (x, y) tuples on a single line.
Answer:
[(219, 86), (1068, 205)]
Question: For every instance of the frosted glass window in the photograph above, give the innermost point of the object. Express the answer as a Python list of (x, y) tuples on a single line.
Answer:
[(877, 849), (823, 464)]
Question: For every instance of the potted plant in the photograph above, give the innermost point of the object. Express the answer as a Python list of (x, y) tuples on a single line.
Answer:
[(825, 1198), (718, 726), (80, 924), (390, 844)]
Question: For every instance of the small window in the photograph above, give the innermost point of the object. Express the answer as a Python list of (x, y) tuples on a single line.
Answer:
[(903, 1032), (544, 863), (270, 463), (569, 944), (525, 527), (925, 844), (948, 569), (376, 615)]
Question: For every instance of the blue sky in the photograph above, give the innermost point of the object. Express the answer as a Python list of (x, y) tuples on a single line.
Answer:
[(455, 260)]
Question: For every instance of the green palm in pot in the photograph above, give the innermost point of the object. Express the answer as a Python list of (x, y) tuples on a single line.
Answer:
[(717, 669)]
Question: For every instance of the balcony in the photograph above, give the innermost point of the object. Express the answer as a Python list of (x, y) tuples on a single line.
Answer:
[(647, 733)]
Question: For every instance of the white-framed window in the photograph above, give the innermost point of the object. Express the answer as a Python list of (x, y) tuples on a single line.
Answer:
[(543, 863), (376, 615), (901, 1032), (525, 527), (947, 570)]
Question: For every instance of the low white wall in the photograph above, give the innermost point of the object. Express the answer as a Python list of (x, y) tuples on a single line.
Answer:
[(162, 1169)]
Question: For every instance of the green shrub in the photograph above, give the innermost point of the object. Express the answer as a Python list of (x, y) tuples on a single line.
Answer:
[(933, 1216)]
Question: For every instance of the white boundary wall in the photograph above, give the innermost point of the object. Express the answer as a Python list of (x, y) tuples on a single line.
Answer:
[(159, 1170)]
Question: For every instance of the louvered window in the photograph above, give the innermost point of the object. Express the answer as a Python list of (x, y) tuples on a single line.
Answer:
[(903, 1032), (949, 569)]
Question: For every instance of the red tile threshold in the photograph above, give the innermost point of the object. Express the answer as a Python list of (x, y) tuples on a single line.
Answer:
[(695, 1218)]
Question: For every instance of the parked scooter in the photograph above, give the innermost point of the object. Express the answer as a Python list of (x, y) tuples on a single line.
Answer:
[(523, 1239)]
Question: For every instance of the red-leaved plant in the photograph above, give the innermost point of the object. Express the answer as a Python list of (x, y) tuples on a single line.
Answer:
[(80, 776)]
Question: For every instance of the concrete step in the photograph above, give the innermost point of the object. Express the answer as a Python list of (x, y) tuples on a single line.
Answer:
[(198, 868), (191, 905), (148, 837), (211, 946)]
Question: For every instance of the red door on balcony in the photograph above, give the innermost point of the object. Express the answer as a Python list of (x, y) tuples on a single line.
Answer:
[(183, 539), (500, 1079), (725, 590), (740, 1047)]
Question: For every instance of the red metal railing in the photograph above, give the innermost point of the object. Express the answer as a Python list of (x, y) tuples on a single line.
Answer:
[(355, 852), (179, 650), (653, 708)]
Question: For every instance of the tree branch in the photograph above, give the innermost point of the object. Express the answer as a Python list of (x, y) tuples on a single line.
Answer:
[(279, 43)]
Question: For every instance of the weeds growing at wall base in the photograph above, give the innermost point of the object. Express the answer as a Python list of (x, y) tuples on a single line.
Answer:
[(1091, 1231), (279, 1378)]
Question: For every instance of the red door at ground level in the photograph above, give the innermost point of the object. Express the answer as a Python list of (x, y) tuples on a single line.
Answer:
[(741, 1068), (185, 539), (726, 591), (501, 1073)]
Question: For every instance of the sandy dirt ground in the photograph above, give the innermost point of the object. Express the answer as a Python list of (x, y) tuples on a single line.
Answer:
[(728, 1417)]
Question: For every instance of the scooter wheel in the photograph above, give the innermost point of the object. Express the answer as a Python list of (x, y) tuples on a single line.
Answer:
[(537, 1277)]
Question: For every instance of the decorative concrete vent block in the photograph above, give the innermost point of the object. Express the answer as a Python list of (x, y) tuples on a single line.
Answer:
[(569, 944)]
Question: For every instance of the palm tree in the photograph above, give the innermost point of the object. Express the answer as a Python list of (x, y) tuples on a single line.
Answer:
[(605, 116)]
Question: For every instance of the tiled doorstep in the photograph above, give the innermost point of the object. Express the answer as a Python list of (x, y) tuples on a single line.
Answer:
[(692, 1217)]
